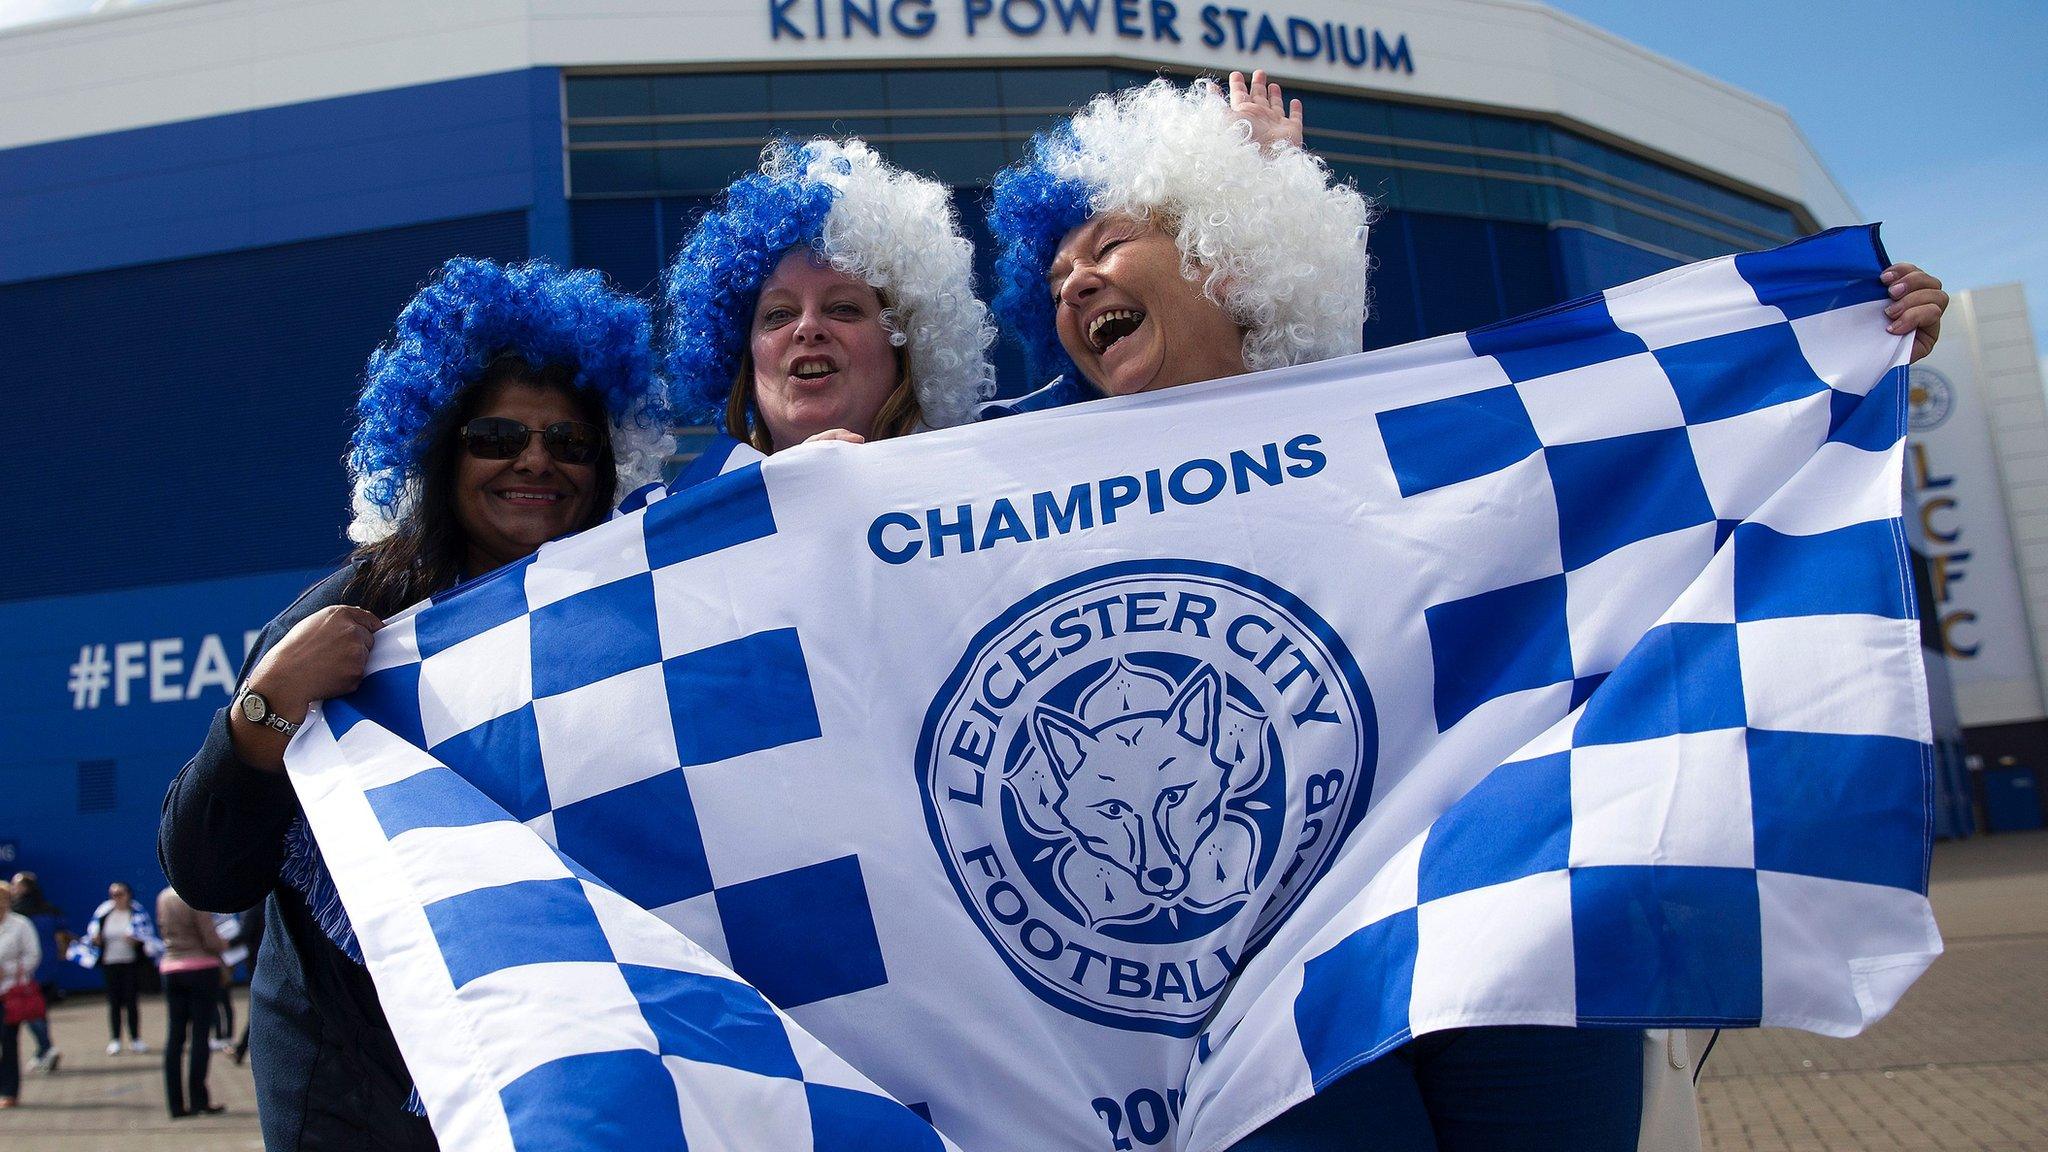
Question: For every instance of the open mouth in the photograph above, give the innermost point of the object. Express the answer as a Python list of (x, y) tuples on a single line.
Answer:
[(1113, 326), (529, 497), (813, 368)]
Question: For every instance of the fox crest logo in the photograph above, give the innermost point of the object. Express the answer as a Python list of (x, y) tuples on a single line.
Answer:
[(1144, 792), (1135, 774)]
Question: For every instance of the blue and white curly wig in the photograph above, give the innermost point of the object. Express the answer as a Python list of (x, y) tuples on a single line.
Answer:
[(1276, 240), (471, 312), (888, 228)]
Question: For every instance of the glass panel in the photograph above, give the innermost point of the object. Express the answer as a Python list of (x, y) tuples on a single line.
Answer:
[(1441, 124), (1578, 149), (904, 125), (1514, 200), (804, 128), (591, 173), (964, 162), (1379, 185), (608, 96), (1366, 116), (1346, 147), (1030, 123), (604, 133), (950, 88), (827, 92), (705, 169), (1051, 87), (1501, 132), (727, 130), (1586, 210), (725, 92), (1441, 192)]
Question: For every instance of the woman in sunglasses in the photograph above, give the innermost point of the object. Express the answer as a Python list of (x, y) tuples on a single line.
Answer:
[(507, 409), (828, 296)]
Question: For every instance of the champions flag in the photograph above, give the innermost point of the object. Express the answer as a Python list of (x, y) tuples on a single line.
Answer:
[(1118, 775)]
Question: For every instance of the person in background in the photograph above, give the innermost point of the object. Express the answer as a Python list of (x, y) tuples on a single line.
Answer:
[(508, 408), (191, 970), (20, 953), (29, 901), (120, 941)]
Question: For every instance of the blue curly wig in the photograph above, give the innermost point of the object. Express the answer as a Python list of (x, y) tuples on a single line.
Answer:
[(1030, 209), (472, 311), (892, 230), (1272, 236)]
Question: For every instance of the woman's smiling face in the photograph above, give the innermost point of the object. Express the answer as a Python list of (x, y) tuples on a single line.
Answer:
[(1128, 318), (822, 358)]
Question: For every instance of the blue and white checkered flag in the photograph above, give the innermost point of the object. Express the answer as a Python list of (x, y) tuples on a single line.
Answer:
[(1124, 773)]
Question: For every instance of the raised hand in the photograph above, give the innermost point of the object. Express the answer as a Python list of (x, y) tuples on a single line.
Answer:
[(1275, 121), (1916, 307)]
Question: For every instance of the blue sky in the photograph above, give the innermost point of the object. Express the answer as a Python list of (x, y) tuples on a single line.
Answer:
[(1934, 117)]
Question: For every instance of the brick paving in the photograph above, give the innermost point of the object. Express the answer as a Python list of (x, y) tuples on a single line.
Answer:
[(1961, 1064), (101, 1103)]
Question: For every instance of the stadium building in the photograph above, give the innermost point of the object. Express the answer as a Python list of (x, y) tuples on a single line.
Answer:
[(210, 211)]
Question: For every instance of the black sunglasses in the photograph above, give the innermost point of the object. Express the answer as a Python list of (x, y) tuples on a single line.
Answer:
[(503, 438)]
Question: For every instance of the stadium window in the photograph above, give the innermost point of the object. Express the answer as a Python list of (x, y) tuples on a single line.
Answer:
[(611, 172), (697, 93), (827, 92), (1062, 88), (609, 96)]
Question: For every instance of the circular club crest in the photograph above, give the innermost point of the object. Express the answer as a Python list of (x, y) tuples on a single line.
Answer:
[(1929, 399), (1134, 774)]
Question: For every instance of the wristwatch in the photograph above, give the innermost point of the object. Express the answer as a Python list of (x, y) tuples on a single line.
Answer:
[(256, 710)]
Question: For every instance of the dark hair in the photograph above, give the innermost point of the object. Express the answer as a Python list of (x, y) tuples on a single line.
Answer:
[(425, 552)]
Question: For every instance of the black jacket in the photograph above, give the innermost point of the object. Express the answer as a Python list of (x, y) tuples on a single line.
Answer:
[(328, 1072)]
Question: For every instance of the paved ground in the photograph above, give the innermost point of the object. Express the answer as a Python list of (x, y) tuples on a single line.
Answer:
[(101, 1103), (1962, 1064)]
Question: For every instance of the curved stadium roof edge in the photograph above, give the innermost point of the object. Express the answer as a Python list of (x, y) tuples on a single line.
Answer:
[(181, 60)]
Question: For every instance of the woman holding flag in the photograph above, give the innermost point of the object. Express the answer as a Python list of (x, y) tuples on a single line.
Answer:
[(1167, 236), (829, 295), (508, 408)]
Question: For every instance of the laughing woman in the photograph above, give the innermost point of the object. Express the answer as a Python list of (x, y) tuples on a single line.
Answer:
[(506, 410), (1167, 236), (828, 295)]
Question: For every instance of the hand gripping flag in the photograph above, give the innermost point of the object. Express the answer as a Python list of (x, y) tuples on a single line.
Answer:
[(1118, 775)]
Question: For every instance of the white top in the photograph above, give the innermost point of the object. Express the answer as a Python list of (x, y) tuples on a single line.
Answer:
[(20, 951), (117, 938)]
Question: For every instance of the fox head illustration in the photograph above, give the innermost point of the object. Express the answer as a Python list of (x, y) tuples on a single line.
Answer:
[(1145, 790)]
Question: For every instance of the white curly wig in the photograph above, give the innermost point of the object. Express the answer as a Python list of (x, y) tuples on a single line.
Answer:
[(1274, 237), (895, 231)]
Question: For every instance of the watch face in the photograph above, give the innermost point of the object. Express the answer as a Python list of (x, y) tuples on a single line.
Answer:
[(254, 708)]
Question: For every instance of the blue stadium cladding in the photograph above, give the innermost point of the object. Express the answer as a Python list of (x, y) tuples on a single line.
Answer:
[(189, 307)]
